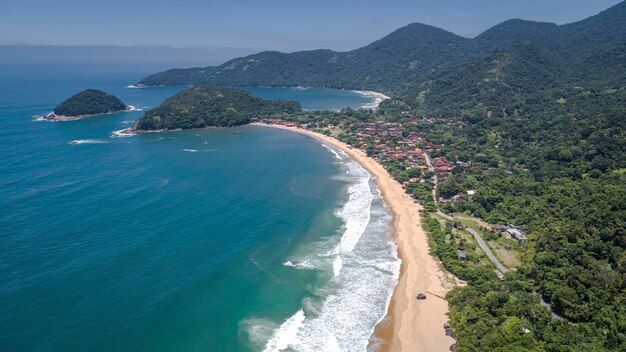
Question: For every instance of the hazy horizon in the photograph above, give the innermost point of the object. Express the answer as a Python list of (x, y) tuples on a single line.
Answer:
[(271, 25), (159, 56)]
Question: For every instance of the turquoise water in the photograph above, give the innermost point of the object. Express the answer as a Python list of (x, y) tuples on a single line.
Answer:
[(316, 98), (244, 239)]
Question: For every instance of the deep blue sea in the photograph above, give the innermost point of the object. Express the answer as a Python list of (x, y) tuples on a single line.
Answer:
[(246, 239)]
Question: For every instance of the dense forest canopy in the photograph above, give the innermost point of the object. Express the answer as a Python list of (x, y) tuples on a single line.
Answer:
[(560, 175), (203, 106), (90, 102)]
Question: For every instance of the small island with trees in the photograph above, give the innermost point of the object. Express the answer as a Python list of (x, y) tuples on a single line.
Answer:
[(90, 102), (208, 106)]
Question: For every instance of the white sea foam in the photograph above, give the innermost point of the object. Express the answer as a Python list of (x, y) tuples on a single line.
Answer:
[(363, 270), (286, 335), (337, 266), (332, 151), (43, 117), (200, 150), (376, 97), (356, 212), (259, 331), (87, 141), (122, 134)]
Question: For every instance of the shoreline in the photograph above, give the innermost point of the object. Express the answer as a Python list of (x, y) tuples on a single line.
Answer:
[(62, 118), (410, 324), (376, 96)]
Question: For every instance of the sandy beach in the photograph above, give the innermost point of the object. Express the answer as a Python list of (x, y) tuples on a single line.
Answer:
[(411, 324), (377, 98)]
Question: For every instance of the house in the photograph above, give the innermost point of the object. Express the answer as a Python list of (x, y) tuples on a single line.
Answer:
[(520, 238), (515, 233), (445, 168)]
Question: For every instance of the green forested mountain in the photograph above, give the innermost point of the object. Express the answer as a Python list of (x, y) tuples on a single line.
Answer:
[(530, 64), (505, 80), (515, 61), (89, 102), (203, 106), (387, 65), (516, 31)]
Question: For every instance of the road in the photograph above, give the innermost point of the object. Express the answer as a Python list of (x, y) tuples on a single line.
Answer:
[(487, 250), (431, 168), (444, 215)]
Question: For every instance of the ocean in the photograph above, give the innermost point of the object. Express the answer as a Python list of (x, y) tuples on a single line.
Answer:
[(243, 239)]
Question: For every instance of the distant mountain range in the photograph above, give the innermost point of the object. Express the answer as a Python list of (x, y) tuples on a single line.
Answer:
[(434, 71)]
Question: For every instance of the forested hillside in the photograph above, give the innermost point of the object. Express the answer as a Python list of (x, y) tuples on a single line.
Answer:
[(204, 106), (387, 65), (530, 64), (560, 175), (89, 102), (440, 73)]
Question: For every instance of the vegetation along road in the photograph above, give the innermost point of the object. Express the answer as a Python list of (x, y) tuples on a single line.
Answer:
[(487, 250)]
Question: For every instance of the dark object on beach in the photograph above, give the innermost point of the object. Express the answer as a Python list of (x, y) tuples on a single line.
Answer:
[(421, 296), (448, 329), (453, 347)]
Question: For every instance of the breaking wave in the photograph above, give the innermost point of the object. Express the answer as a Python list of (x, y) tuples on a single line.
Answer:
[(363, 268), (87, 141)]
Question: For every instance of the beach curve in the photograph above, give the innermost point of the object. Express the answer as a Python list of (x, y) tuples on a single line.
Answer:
[(411, 324)]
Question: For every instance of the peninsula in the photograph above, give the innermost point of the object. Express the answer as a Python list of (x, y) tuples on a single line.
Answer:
[(208, 106), (89, 102)]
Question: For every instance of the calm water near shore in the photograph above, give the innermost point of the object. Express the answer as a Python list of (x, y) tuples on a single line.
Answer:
[(245, 239)]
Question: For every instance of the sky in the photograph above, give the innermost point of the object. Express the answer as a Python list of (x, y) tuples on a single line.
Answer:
[(286, 25)]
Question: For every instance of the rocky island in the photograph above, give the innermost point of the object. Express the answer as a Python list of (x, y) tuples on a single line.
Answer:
[(90, 102), (209, 106)]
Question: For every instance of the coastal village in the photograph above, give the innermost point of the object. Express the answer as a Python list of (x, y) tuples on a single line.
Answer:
[(390, 142), (387, 141), (400, 146)]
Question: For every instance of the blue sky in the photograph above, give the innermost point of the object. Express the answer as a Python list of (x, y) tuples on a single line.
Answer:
[(264, 24)]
